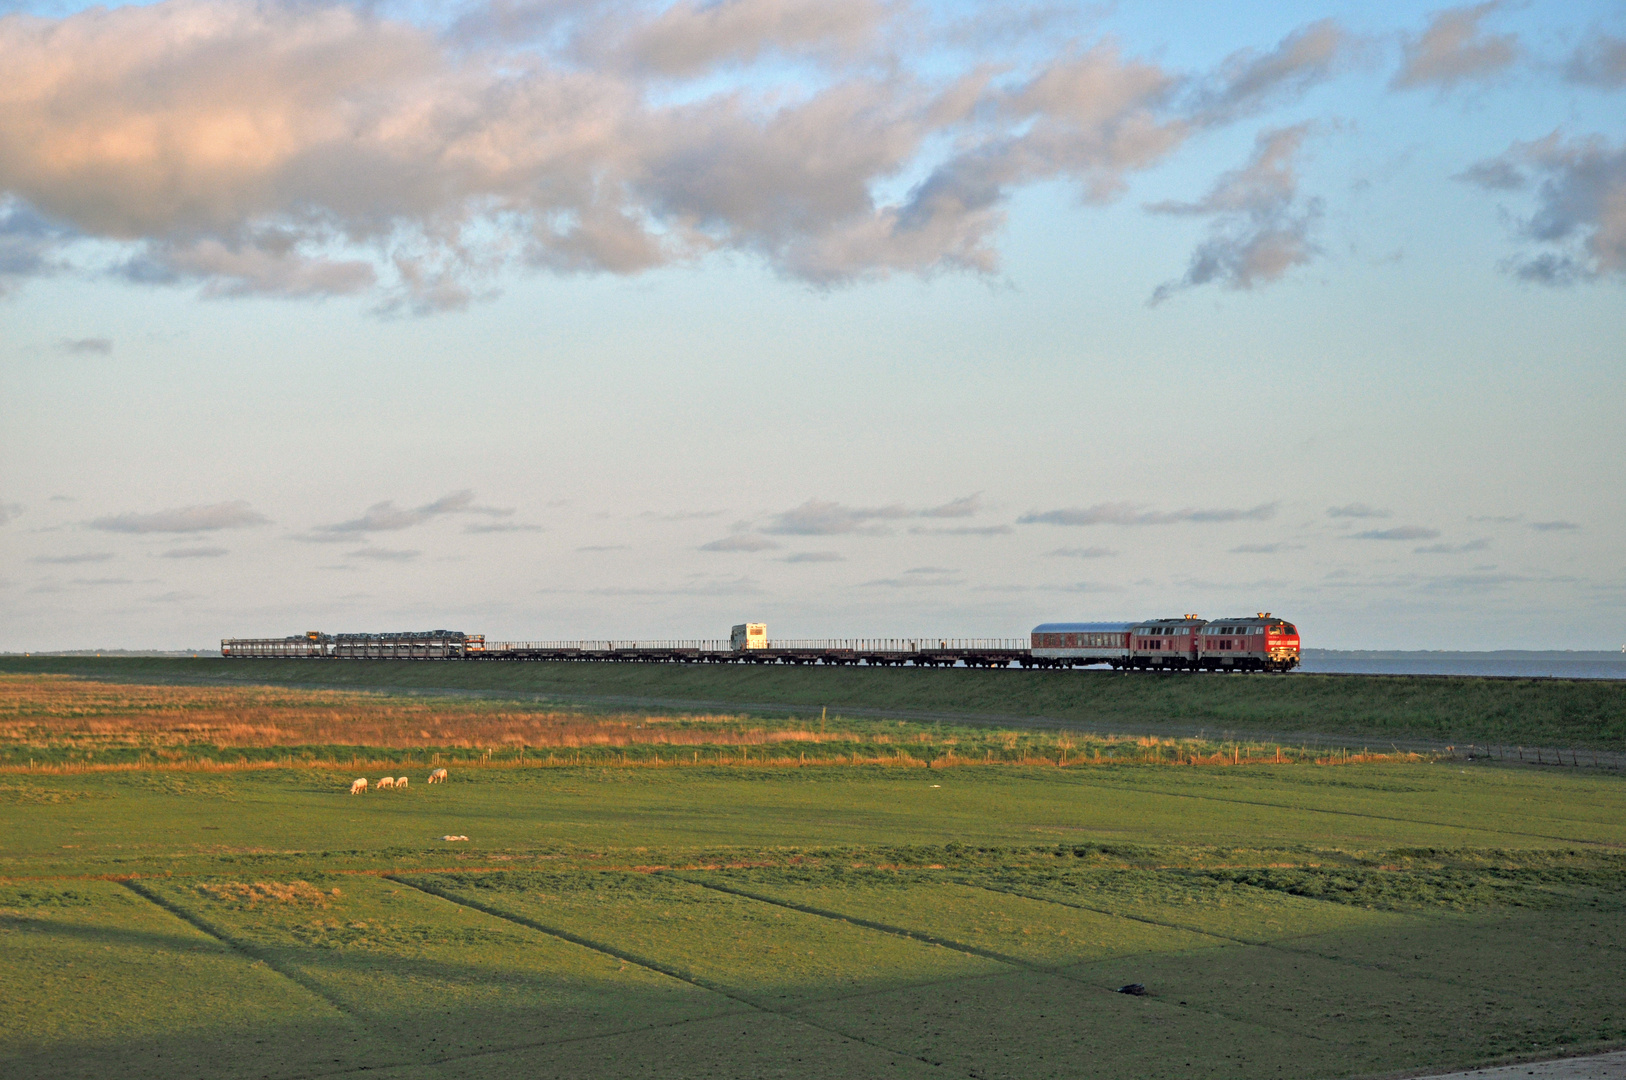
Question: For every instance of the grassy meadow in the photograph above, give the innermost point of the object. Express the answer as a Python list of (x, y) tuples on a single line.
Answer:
[(1589, 714), (188, 889)]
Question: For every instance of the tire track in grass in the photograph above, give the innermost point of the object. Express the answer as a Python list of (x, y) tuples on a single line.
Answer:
[(1282, 944), (650, 964), (243, 948), (1025, 965)]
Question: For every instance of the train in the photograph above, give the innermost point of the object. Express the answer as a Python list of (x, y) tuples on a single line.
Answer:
[(1189, 643), (1262, 643)]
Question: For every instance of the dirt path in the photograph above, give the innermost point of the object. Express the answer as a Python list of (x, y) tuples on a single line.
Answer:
[(1597, 1067)]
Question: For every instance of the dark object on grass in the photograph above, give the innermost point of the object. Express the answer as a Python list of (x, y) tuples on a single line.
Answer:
[(1133, 989)]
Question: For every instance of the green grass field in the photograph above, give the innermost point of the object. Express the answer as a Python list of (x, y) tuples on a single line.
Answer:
[(1531, 712), (1293, 921)]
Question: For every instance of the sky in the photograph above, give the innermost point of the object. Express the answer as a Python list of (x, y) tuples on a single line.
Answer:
[(558, 319)]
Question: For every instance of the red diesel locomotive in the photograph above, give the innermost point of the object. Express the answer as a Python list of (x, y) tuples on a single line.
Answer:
[(1189, 643)]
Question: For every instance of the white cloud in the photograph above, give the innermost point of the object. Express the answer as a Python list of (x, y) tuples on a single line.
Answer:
[(383, 554), (1399, 532), (185, 519), (1453, 549), (1356, 510), (1260, 227), (1082, 553), (311, 150), (741, 542), (387, 517), (1454, 49), (81, 557), (958, 508), (961, 530), (819, 518), (1599, 62), (1248, 80), (194, 553), (1579, 225), (1123, 513), (814, 557), (501, 527)]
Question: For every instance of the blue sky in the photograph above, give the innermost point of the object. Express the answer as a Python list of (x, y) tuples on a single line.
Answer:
[(613, 319)]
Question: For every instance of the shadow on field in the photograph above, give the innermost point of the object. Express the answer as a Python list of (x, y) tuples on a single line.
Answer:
[(1446, 993)]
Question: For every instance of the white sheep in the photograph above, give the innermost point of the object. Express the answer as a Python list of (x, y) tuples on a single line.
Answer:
[(400, 781), (438, 776), (358, 786), (386, 782)]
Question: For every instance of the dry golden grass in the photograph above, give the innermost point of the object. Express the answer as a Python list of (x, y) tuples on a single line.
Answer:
[(251, 894), (53, 710), (219, 728)]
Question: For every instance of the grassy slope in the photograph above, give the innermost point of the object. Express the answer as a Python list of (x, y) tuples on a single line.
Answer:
[(1531, 712), (1291, 921)]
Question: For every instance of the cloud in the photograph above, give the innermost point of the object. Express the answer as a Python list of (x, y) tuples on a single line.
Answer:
[(102, 581), (603, 547), (1123, 513), (29, 244), (741, 542), (194, 553), (683, 515), (814, 556), (185, 519), (387, 517), (958, 508), (1453, 49), (1260, 549), (298, 150), (961, 530), (1453, 549), (383, 554), (688, 38), (818, 518), (8, 511), (1248, 80), (83, 557), (1400, 532), (1579, 224), (1082, 553), (1600, 62), (501, 527), (79, 346), (1356, 510), (1260, 228), (909, 583), (170, 598), (1554, 526)]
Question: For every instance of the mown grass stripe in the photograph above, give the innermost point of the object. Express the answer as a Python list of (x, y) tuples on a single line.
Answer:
[(1343, 813), (649, 964), (868, 924), (239, 946)]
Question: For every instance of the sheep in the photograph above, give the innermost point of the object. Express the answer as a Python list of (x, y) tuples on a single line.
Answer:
[(438, 776), (386, 782), (358, 786), (400, 781)]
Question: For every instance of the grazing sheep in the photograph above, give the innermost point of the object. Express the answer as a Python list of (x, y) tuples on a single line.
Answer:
[(388, 781), (400, 781), (438, 776), (358, 786)]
